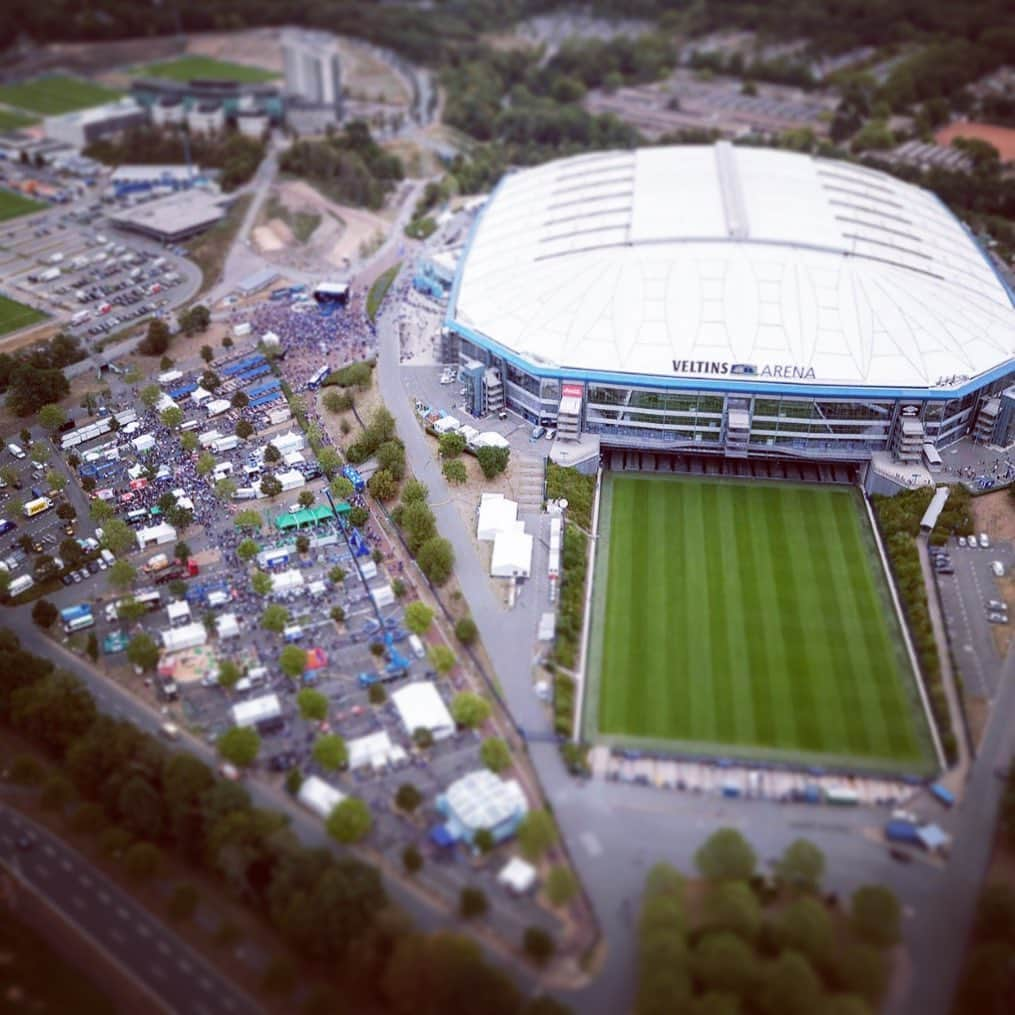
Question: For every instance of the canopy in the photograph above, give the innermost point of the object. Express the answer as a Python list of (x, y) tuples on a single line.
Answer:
[(496, 514), (420, 706), (512, 555), (517, 876), (490, 439)]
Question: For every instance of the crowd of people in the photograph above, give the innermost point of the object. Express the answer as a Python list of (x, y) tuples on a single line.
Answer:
[(1000, 470)]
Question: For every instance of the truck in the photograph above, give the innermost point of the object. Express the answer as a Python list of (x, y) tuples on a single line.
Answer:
[(217, 406), (227, 443), (157, 563), (19, 585), (80, 317), (36, 507), (50, 275), (77, 618), (151, 601)]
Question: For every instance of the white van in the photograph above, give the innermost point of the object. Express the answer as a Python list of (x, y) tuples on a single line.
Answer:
[(292, 633), (416, 644), (19, 585), (16, 450)]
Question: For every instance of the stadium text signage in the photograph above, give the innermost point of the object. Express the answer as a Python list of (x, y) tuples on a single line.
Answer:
[(721, 368)]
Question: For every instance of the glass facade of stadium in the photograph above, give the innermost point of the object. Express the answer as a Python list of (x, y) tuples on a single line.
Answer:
[(732, 422)]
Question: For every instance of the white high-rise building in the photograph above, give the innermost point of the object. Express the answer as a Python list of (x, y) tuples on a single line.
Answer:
[(312, 67)]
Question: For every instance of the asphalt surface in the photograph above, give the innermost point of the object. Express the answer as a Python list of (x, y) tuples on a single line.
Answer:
[(144, 950)]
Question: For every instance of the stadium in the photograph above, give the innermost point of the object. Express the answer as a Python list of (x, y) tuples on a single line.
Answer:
[(733, 303)]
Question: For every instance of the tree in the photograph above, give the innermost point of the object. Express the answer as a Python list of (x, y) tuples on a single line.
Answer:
[(383, 485), (789, 986), (275, 616), (240, 400), (117, 535), (330, 752), (455, 472), (142, 861), (493, 461), (40, 453), (536, 834), (143, 652), (66, 512), (436, 559), (225, 488), (121, 574), (725, 962), (183, 902), (207, 354), (92, 647), (211, 381), (442, 658), (337, 614), (329, 460), (247, 519), (29, 388), (470, 710), (56, 480), (418, 524), (52, 416), (306, 499), (130, 610), (171, 416), (261, 583), (189, 442), (876, 915), (101, 512), (150, 395), (205, 463), (270, 487), (350, 821), (415, 492), (156, 340), (538, 944), (312, 704), (412, 859), (418, 617), (229, 673), (466, 631), (860, 969), (337, 574), (806, 927), (561, 885), (391, 456), (451, 445), (726, 856), (182, 551), (495, 754), (342, 488), (239, 745), (272, 454), (801, 865), (732, 906), (244, 429), (44, 613), (247, 550), (472, 902), (408, 797), (292, 660)]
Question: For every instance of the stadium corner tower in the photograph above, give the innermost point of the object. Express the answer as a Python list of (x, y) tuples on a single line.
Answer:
[(733, 302)]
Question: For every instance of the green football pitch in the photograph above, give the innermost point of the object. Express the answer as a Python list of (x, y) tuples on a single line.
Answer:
[(206, 68), (55, 94), (748, 619), (14, 315), (13, 205)]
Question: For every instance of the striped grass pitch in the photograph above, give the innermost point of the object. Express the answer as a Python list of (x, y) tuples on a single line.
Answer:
[(750, 618)]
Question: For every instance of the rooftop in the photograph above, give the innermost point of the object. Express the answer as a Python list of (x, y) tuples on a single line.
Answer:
[(688, 260)]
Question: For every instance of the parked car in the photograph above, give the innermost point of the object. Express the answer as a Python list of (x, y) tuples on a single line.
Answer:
[(997, 618), (997, 567), (984, 541)]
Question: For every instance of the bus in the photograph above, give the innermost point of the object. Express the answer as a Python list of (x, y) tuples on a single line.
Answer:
[(151, 600), (317, 378), (332, 292), (37, 506), (77, 618)]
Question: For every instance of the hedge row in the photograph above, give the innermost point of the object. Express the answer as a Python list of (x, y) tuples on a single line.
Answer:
[(564, 687), (899, 520), (572, 594)]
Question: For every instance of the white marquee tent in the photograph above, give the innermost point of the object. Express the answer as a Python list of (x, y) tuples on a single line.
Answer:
[(420, 706)]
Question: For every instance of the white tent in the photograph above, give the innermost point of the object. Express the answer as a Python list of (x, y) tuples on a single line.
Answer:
[(227, 626), (164, 402), (383, 596), (447, 424), (374, 750), (143, 443), (490, 439), (178, 639), (512, 555), (200, 395), (156, 535), (208, 438), (286, 581), (470, 433), (271, 340), (318, 796), (496, 514), (178, 611), (288, 442), (250, 713), (217, 406), (420, 706), (517, 876)]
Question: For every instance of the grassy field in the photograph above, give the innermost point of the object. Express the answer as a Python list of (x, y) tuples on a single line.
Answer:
[(10, 120), (13, 205), (14, 315), (190, 68), (748, 619), (55, 94)]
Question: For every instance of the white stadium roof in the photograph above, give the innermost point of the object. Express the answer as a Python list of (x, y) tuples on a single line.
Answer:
[(676, 261)]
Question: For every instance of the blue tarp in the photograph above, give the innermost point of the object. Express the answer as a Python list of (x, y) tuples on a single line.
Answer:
[(942, 795), (253, 373), (244, 364), (183, 389), (272, 396), (441, 835), (262, 388)]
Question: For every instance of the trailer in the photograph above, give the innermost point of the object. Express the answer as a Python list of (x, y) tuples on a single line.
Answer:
[(217, 406), (179, 639), (77, 618), (227, 443)]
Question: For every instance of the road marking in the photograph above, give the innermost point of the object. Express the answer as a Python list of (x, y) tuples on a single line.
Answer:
[(85, 880), (142, 929), (104, 898), (65, 864), (163, 947), (184, 965), (121, 912), (591, 843)]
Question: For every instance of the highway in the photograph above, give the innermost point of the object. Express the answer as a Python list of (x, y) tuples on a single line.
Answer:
[(145, 951)]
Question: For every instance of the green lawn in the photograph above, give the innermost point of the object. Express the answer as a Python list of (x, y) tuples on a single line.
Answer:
[(748, 619), (56, 93), (14, 205), (14, 315), (190, 68), (10, 120)]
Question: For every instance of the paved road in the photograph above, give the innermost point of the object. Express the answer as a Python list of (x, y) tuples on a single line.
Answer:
[(146, 951)]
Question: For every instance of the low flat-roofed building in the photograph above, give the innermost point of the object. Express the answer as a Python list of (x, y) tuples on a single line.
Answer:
[(79, 129), (173, 218)]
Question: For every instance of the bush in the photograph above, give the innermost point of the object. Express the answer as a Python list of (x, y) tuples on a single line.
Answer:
[(561, 885), (495, 754), (538, 945), (472, 902), (183, 902), (408, 797), (412, 860), (142, 861), (466, 631)]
